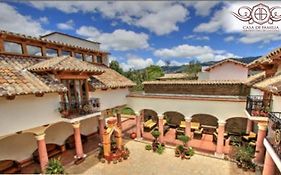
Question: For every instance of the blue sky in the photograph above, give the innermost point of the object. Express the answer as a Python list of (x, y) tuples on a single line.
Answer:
[(138, 34)]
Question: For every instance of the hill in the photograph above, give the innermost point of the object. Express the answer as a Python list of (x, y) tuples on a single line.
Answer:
[(178, 69)]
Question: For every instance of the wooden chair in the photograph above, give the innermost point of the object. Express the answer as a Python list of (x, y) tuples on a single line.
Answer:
[(9, 167), (197, 134), (149, 125), (250, 137)]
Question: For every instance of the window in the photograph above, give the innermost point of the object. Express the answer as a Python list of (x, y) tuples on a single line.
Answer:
[(65, 53), (88, 58), (34, 50), (51, 52), (79, 56), (12, 47), (99, 59)]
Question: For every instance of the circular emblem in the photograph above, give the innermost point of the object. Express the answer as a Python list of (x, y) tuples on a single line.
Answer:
[(260, 14), (277, 136), (87, 108)]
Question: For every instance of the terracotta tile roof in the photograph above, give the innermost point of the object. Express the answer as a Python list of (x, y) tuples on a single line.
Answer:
[(65, 63), (110, 79), (226, 61), (16, 80), (47, 41), (272, 84), (267, 59), (195, 82), (175, 76), (255, 78)]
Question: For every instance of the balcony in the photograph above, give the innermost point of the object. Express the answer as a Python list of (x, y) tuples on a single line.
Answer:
[(274, 132), (257, 106), (77, 109)]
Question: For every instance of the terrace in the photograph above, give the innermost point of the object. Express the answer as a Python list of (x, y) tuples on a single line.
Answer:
[(258, 107)]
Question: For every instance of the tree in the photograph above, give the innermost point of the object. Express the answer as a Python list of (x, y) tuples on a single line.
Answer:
[(193, 67), (116, 66)]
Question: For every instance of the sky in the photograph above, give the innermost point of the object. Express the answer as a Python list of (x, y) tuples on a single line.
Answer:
[(139, 34)]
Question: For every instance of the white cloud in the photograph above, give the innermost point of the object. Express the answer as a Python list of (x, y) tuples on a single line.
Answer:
[(229, 38), (196, 37), (119, 39), (68, 25), (136, 62), (202, 8), (161, 63), (44, 20), (158, 17), (201, 53), (12, 20), (267, 37)]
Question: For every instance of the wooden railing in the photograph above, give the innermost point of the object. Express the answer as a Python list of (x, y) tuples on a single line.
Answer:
[(77, 109), (257, 106)]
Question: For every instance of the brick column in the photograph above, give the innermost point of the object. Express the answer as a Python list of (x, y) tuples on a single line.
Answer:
[(269, 166), (42, 151), (78, 142), (249, 126), (188, 126), (119, 122), (160, 127), (260, 149), (138, 125), (141, 122), (101, 126), (219, 149)]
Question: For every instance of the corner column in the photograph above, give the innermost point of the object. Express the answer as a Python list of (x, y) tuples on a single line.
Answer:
[(219, 149), (141, 122), (249, 126), (269, 166), (42, 151), (78, 142), (188, 127), (101, 125), (160, 126), (260, 149), (138, 125), (119, 121)]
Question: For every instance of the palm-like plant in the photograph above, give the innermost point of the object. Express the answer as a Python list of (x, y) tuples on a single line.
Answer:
[(55, 167)]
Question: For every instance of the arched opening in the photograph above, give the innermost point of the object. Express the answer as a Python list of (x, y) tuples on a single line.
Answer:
[(203, 124), (175, 122), (150, 120), (236, 125), (16, 150), (205, 119)]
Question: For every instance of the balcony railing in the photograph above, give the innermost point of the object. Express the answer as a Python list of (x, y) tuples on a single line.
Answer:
[(274, 133), (77, 109), (258, 106)]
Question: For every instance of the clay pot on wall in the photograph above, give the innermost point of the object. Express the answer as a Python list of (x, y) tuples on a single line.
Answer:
[(133, 135)]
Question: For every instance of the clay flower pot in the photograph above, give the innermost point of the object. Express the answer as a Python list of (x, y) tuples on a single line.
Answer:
[(133, 135)]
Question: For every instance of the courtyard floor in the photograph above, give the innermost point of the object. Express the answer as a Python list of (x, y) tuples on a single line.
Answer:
[(145, 162)]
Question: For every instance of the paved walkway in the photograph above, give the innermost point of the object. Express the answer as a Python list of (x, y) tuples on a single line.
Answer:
[(145, 162)]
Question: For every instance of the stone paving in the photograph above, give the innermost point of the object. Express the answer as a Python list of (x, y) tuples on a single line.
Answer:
[(142, 162)]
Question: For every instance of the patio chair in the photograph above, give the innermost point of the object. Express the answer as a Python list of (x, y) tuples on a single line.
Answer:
[(149, 125), (182, 124), (197, 134), (250, 137), (195, 126)]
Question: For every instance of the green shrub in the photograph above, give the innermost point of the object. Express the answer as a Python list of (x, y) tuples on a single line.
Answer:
[(148, 147), (184, 139), (180, 148), (155, 133), (160, 149), (55, 167), (190, 152)]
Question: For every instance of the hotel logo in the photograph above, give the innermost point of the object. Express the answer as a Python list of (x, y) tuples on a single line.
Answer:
[(259, 17)]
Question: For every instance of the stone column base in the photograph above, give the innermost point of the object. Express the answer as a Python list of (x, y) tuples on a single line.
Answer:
[(84, 156)]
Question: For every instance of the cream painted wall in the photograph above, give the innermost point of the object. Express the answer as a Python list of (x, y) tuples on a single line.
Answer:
[(89, 126), (111, 98), (276, 104), (228, 71), (220, 109), (17, 147), (28, 111), (254, 91), (58, 133)]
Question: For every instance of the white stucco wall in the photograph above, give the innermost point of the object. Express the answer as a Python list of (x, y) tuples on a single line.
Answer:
[(254, 91), (17, 147), (220, 109), (276, 104), (89, 126), (72, 41), (58, 133), (228, 71), (28, 111), (203, 75), (111, 98)]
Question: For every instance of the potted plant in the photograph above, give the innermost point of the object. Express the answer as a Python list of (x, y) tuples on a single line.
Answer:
[(148, 147), (184, 139), (133, 135), (155, 134), (160, 149)]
